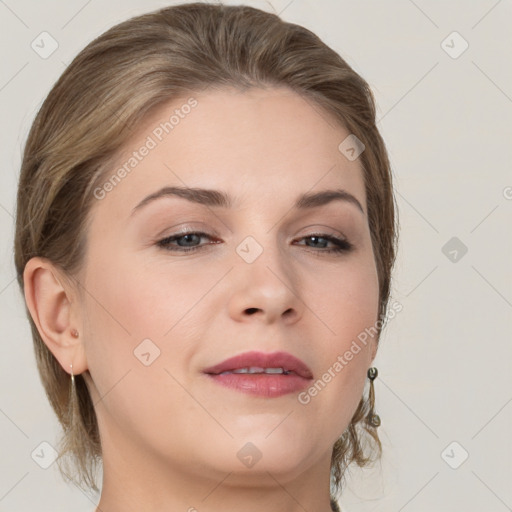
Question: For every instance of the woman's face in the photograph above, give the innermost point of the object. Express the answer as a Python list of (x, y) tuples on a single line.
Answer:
[(261, 276)]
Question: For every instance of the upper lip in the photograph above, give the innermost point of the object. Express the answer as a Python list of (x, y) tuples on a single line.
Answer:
[(283, 360)]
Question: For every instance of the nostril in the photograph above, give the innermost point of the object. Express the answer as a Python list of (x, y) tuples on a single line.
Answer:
[(252, 310)]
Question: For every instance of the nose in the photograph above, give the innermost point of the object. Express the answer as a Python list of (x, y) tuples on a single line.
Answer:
[(266, 290)]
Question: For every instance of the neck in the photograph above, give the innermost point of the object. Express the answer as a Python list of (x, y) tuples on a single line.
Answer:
[(134, 480)]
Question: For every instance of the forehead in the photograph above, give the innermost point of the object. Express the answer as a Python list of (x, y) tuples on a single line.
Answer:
[(257, 145)]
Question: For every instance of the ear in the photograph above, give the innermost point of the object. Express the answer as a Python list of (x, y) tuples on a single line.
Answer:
[(54, 307)]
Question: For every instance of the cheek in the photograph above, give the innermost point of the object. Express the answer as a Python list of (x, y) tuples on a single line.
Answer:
[(345, 299), (117, 316), (348, 311), (133, 308), (128, 299), (126, 316)]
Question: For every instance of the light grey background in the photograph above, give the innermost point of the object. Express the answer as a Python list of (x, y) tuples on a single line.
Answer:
[(445, 361)]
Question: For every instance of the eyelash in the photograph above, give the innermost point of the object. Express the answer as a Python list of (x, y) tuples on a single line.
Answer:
[(342, 246)]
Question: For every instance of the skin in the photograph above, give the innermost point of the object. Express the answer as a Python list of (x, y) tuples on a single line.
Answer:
[(170, 436)]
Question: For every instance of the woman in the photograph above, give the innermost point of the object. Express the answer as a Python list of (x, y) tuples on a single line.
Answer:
[(205, 235)]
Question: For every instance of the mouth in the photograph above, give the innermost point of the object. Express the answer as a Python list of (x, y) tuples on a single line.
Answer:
[(262, 374), (256, 370)]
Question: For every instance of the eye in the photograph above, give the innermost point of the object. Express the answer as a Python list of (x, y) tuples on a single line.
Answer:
[(321, 239), (186, 241), (190, 241)]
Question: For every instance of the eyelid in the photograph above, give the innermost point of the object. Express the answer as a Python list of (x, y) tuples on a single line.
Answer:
[(341, 244), (187, 228), (190, 229), (324, 230), (184, 232)]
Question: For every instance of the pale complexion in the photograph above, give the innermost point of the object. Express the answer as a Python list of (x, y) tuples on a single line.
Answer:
[(170, 436)]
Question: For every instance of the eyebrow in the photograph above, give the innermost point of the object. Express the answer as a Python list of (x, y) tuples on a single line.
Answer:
[(219, 199)]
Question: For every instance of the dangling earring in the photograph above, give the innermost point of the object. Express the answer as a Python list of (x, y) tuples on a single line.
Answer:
[(372, 418), (73, 407)]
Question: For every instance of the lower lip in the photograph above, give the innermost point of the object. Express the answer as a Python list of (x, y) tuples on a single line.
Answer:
[(265, 385)]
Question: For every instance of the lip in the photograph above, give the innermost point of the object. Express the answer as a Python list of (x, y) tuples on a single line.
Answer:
[(267, 385), (263, 360)]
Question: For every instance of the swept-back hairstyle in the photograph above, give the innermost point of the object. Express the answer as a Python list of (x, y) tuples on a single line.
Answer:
[(96, 105)]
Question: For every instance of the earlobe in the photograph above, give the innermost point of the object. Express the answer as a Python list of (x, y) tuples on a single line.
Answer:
[(49, 299)]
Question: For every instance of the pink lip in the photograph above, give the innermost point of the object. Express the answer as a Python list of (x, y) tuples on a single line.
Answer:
[(263, 360), (268, 385)]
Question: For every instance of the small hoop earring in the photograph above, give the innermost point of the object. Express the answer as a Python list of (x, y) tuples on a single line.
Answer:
[(372, 418)]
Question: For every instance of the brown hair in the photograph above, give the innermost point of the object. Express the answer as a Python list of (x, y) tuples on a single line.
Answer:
[(96, 105)]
